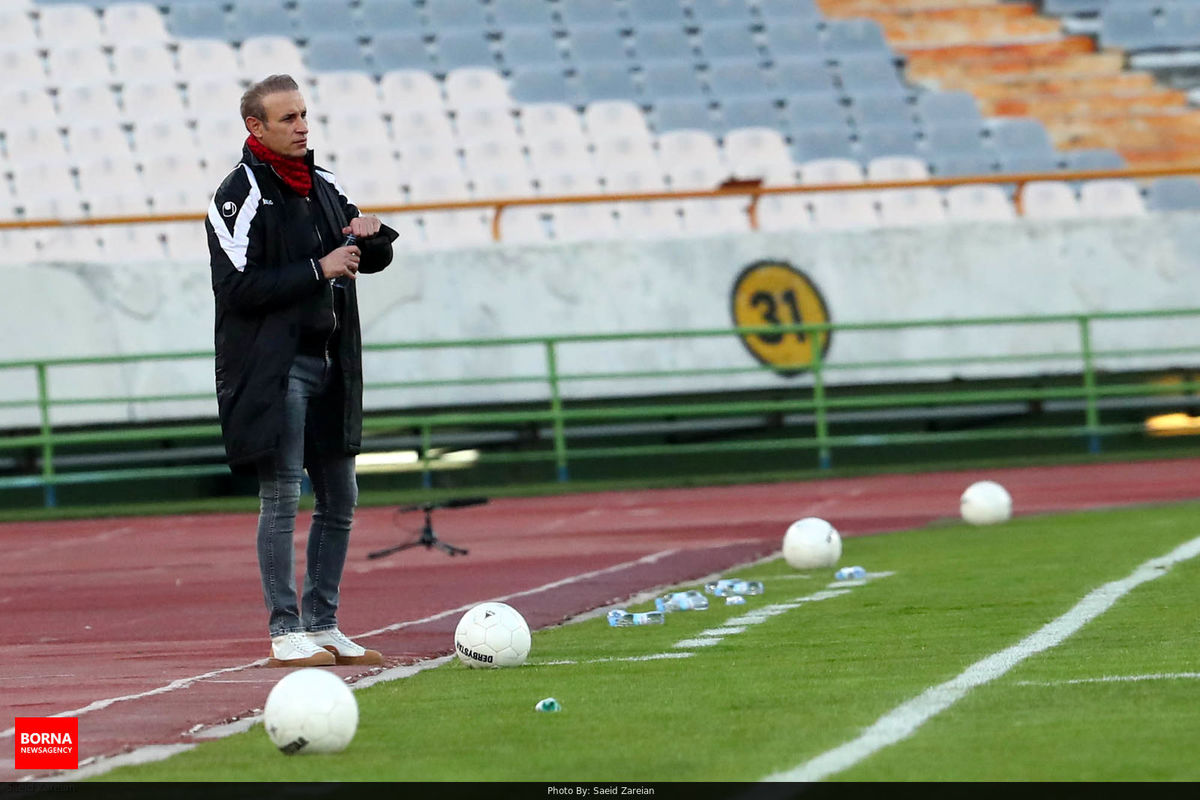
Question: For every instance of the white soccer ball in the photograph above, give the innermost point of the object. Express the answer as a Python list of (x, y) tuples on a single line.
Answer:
[(811, 543), (492, 635), (985, 503), (311, 711)]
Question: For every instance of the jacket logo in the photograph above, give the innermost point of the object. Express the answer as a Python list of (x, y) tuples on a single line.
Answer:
[(267, 202), (228, 208)]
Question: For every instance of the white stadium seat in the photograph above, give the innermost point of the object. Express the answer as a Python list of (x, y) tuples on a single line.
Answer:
[(134, 61), (260, 56), (1111, 198), (978, 203), (65, 24), (202, 60), (542, 120), (134, 22), (77, 63), (1049, 200), (405, 89), (475, 86)]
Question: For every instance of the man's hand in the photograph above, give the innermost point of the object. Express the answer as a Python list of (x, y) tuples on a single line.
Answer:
[(363, 227), (342, 262)]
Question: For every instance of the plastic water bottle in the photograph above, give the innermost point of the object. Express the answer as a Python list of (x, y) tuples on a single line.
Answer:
[(350, 239), (850, 573), (731, 586), (735, 600), (691, 600), (549, 704), (620, 618)]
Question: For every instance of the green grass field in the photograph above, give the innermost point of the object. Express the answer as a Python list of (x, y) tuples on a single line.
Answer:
[(814, 676)]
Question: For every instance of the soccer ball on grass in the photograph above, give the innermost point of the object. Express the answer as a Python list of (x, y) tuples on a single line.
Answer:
[(310, 711), (492, 635), (985, 503), (811, 543)]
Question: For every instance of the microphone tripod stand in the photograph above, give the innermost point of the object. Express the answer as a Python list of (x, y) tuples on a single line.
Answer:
[(428, 539)]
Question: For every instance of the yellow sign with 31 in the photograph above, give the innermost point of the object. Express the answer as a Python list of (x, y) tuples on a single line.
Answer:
[(774, 292)]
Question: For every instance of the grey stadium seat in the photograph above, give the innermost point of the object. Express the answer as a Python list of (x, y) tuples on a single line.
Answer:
[(585, 12), (542, 84), (738, 79), (196, 20), (1093, 158), (962, 164), (327, 52), (377, 16), (955, 105), (527, 45), (252, 18), (868, 73), (683, 113), (749, 112), (447, 15), (1177, 193), (613, 81), (829, 142), (813, 111), (463, 47), (802, 75), (661, 43), (662, 79), (954, 138), (1020, 134), (728, 40), (325, 16), (705, 11), (397, 49), (506, 13), (1017, 161), (793, 37), (600, 42), (853, 36), (871, 109), (775, 10), (887, 140), (642, 11)]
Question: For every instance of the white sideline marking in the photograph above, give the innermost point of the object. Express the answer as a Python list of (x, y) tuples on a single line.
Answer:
[(610, 659), (698, 642), (1159, 676), (904, 720), (183, 683)]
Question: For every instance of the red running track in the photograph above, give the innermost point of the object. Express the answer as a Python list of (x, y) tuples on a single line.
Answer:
[(148, 629)]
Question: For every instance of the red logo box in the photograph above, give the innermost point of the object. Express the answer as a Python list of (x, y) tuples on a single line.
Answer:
[(46, 743)]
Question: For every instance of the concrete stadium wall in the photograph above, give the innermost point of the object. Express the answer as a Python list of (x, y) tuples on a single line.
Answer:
[(952, 271)]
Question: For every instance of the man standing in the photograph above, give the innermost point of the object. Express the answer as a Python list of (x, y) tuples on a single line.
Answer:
[(286, 248)]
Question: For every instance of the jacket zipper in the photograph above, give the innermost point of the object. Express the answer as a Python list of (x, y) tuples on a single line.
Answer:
[(332, 298)]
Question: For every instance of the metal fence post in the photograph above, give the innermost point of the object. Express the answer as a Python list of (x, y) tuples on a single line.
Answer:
[(560, 437), (1091, 410), (49, 496)]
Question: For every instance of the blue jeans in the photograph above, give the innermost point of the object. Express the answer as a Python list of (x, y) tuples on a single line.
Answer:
[(336, 490)]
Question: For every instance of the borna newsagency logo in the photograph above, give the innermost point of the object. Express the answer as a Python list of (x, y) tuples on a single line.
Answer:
[(46, 743)]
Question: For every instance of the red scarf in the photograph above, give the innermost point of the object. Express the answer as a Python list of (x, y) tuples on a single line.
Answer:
[(293, 170)]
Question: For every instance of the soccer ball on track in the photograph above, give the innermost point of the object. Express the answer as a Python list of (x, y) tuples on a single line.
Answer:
[(310, 711), (811, 543), (492, 635)]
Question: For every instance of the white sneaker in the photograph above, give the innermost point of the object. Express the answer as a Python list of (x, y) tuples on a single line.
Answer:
[(345, 651), (295, 650)]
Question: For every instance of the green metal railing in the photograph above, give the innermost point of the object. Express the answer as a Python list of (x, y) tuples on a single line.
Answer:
[(820, 398)]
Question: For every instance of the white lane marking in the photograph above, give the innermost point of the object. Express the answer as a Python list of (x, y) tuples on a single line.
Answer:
[(904, 720), (90, 768), (611, 659), (183, 683), (1158, 676), (699, 642)]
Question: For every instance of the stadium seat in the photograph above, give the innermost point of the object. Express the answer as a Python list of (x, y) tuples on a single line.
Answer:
[(529, 46), (197, 20), (127, 23), (706, 217), (778, 212), (506, 14), (121, 244), (213, 95), (93, 101), (644, 11), (473, 86), (493, 156), (851, 210), (662, 42), (422, 157), (729, 40), (22, 67), (671, 79), (625, 152), (582, 221), (559, 154), (1111, 198), (722, 11), (486, 123), (897, 168), (1094, 158), (803, 75), (954, 138), (541, 85), (546, 120), (77, 63), (457, 49), (219, 139), (869, 72), (1049, 200), (69, 24), (151, 96), (30, 143), (1177, 193), (388, 16), (399, 49), (1015, 134), (180, 167), (774, 11), (360, 125), (681, 149), (525, 225), (29, 105), (854, 36), (612, 81), (880, 109), (907, 207), (589, 12), (934, 107), (606, 118), (596, 43), (959, 164), (684, 113), (409, 89), (202, 59), (759, 153), (738, 79), (260, 56), (138, 60), (813, 111), (445, 15), (978, 203), (510, 180), (327, 17), (16, 27), (887, 140), (345, 90), (749, 112), (326, 52), (793, 38), (822, 142), (419, 123), (88, 137), (258, 18)]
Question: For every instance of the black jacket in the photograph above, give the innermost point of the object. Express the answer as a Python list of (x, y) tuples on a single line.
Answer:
[(264, 241)]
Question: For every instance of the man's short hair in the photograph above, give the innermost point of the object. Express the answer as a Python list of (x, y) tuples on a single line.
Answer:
[(252, 100)]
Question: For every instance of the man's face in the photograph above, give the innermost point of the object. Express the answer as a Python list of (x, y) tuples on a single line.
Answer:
[(285, 129)]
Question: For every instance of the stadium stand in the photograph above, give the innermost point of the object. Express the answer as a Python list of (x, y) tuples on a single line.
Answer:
[(475, 98)]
